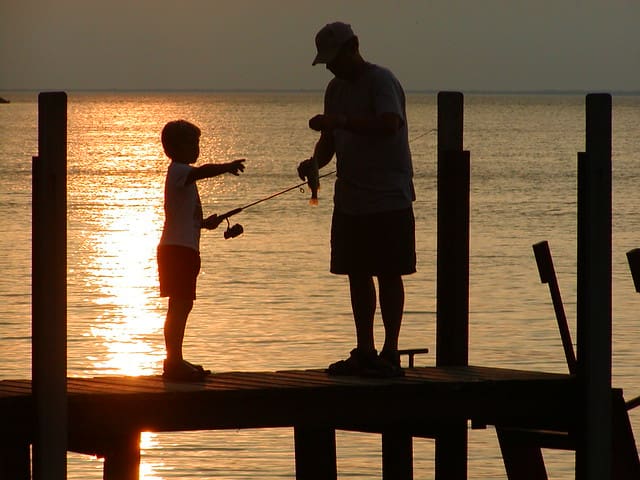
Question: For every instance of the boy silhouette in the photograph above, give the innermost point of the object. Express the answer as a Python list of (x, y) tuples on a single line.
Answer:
[(179, 247)]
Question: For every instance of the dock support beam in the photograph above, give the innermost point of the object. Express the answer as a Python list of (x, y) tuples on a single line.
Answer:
[(594, 449), (49, 289), (452, 302), (15, 460)]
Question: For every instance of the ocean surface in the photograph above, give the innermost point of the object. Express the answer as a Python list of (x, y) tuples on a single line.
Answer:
[(266, 300)]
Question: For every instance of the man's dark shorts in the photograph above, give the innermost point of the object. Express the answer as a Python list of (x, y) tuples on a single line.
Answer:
[(375, 244), (178, 269)]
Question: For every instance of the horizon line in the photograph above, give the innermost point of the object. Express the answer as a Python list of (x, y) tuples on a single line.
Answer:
[(313, 90)]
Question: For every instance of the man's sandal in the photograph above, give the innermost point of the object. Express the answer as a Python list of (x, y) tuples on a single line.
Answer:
[(365, 364)]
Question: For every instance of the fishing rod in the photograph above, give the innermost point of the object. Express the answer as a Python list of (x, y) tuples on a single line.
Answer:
[(236, 230)]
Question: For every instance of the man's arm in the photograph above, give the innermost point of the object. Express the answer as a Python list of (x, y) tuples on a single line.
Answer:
[(385, 124), (324, 149)]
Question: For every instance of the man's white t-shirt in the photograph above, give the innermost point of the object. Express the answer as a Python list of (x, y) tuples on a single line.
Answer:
[(182, 209), (374, 174)]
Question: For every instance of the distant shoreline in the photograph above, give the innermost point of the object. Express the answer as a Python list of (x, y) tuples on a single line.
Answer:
[(307, 91)]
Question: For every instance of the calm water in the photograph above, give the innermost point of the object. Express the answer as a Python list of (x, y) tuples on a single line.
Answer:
[(266, 299)]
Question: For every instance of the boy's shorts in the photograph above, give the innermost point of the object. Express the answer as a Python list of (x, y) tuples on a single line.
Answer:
[(375, 244), (178, 269)]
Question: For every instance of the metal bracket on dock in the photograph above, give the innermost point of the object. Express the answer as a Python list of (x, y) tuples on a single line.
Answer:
[(411, 353)]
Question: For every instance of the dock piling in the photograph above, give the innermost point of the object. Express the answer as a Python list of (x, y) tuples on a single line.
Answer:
[(452, 295), (315, 453), (397, 456), (594, 451), (122, 458), (49, 289)]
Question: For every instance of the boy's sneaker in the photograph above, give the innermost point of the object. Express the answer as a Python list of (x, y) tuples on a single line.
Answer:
[(183, 371)]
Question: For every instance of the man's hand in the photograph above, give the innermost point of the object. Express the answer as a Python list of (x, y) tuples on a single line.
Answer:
[(212, 222), (236, 167), (303, 168)]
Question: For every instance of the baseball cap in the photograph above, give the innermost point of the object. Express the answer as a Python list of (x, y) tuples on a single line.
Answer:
[(329, 40)]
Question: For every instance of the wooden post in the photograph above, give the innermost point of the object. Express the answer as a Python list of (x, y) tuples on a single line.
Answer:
[(593, 455), (547, 272), (397, 456), (633, 257), (315, 453), (522, 460), (122, 458), (453, 235), (49, 289), (452, 302)]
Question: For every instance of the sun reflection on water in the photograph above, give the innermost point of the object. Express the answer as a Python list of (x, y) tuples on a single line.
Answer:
[(122, 272), (149, 441)]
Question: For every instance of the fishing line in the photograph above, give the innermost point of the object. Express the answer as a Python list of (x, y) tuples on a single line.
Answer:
[(281, 192), (235, 230), (426, 132), (300, 185)]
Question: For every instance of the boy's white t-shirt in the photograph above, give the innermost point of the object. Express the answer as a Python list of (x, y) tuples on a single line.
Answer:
[(182, 209)]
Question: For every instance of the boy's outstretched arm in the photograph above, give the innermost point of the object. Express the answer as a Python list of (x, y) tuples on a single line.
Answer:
[(209, 170)]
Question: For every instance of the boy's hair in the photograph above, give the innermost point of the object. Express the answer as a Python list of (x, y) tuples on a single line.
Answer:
[(176, 133)]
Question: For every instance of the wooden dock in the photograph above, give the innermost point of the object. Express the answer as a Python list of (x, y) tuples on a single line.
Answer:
[(107, 414)]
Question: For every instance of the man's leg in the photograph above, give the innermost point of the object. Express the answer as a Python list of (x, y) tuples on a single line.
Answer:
[(363, 304), (174, 326), (391, 305)]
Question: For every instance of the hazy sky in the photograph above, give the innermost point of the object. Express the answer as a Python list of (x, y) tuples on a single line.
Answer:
[(269, 44)]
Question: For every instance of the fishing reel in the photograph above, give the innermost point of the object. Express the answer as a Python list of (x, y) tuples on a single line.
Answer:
[(233, 232), (236, 230)]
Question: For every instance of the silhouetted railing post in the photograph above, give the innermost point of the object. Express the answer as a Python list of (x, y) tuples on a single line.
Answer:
[(593, 455), (49, 289), (633, 257), (547, 272), (452, 336)]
